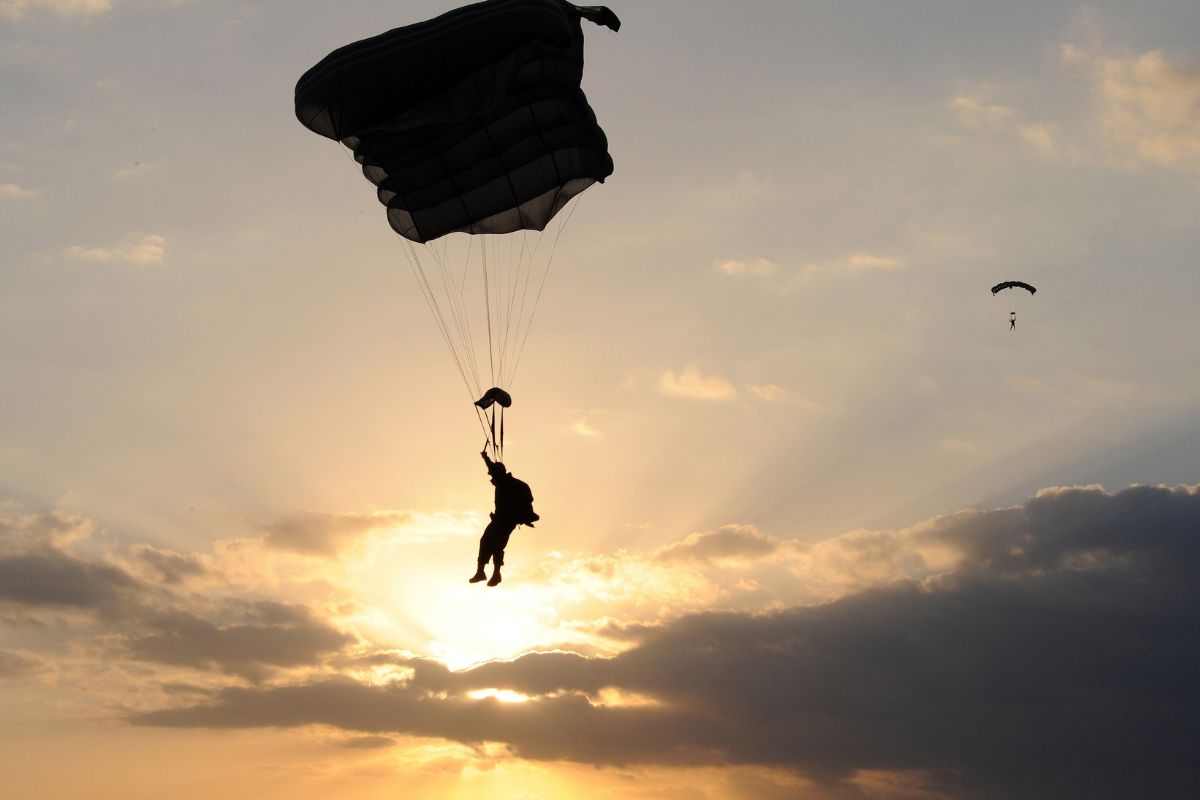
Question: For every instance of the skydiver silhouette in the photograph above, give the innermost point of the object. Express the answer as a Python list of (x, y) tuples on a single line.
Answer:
[(1012, 320), (514, 506)]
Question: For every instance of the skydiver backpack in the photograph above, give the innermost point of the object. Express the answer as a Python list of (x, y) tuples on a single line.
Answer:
[(523, 503)]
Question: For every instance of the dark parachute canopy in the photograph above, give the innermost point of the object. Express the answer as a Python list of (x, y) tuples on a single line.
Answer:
[(1013, 285), (473, 122), (494, 395)]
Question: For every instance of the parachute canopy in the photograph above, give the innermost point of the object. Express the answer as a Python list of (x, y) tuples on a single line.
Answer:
[(1013, 285), (473, 121)]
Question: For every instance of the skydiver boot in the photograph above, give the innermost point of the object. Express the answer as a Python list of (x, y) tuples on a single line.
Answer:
[(479, 575), (495, 577)]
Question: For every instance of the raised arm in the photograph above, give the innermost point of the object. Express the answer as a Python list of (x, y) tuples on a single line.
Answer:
[(486, 460)]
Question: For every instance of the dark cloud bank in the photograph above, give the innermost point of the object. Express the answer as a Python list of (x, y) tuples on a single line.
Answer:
[(1060, 660), (148, 620)]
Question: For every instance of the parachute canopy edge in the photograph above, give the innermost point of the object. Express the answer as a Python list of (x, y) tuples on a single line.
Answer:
[(599, 15), (1013, 285)]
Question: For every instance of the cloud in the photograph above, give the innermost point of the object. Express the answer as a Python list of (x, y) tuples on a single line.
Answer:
[(327, 534), (975, 111), (54, 529), (14, 191), (167, 566), (136, 251), (694, 385), (852, 263), (19, 9), (758, 266), (865, 261), (1053, 660), (148, 604), (767, 391), (768, 272), (581, 427), (20, 664), (1145, 105), (583, 423), (49, 578), (1139, 109), (729, 543), (368, 742), (263, 635), (1039, 136)]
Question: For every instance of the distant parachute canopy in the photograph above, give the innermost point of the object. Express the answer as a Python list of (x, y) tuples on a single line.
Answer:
[(473, 121), (1013, 285)]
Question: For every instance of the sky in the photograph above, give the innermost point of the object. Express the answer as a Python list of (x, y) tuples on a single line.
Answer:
[(815, 522)]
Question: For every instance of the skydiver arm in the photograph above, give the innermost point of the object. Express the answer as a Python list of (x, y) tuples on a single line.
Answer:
[(486, 460)]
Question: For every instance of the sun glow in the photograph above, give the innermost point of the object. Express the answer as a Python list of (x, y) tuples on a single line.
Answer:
[(503, 695)]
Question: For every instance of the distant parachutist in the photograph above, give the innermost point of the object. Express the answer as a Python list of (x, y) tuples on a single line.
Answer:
[(1011, 285)]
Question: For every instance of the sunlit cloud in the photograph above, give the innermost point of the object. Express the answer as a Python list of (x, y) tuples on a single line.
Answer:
[(975, 111), (1146, 106), (856, 262), (582, 427), (1140, 109), (694, 385), (137, 251), (730, 543), (737, 268), (15, 191), (865, 261), (20, 532), (767, 391), (1039, 135)]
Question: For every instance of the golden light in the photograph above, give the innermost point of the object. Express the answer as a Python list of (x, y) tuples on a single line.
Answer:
[(503, 695)]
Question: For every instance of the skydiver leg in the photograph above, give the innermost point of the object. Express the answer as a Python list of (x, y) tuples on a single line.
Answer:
[(487, 550), (501, 534)]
